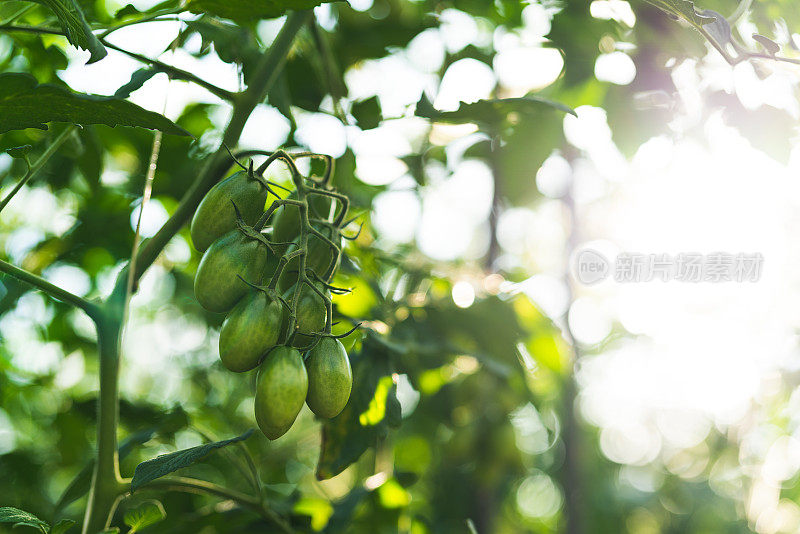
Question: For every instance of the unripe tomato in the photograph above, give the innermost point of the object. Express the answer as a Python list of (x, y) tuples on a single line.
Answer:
[(250, 331), (319, 258), (330, 378), (311, 313), (281, 388), (286, 221), (215, 215), (216, 284)]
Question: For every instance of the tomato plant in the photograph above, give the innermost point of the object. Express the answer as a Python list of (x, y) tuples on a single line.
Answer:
[(247, 247)]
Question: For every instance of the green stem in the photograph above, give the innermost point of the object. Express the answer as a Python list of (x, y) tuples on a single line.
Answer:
[(264, 76), (53, 290), (191, 485), (147, 18), (36, 167), (174, 72), (106, 479)]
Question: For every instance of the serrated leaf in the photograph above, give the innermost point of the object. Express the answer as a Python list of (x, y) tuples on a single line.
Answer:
[(62, 526), (372, 409), (147, 513), (25, 104), (74, 24), (491, 112), (18, 151), (21, 518), (138, 79), (683, 9), (251, 9), (167, 463)]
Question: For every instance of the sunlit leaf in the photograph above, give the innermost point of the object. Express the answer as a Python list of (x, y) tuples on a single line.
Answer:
[(76, 28), (25, 104), (146, 514), (21, 518)]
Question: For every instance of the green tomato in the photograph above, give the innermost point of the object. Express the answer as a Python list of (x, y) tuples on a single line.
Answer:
[(251, 329), (319, 259), (281, 388), (286, 220), (311, 313), (215, 216), (216, 284), (330, 378)]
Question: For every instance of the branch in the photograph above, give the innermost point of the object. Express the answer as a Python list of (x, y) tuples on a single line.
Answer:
[(193, 485), (265, 74), (36, 167), (174, 72), (54, 291)]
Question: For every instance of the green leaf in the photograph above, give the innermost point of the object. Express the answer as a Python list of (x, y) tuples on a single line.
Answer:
[(372, 409), (683, 9), (138, 79), (367, 113), (76, 28), (251, 9), (147, 513), (25, 104), (167, 463), (62, 526), (492, 112), (21, 518), (112, 530), (19, 151), (79, 486)]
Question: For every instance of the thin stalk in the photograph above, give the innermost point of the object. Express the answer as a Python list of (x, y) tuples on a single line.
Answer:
[(191, 485), (152, 17), (54, 291), (174, 72), (264, 76), (37, 166)]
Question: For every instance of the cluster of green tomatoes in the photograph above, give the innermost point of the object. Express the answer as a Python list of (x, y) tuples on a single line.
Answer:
[(270, 272)]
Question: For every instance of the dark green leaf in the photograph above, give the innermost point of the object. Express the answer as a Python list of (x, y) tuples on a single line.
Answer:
[(138, 79), (21, 518), (491, 112), (62, 526), (367, 113), (373, 407), (76, 28), (251, 9), (168, 463), (147, 513), (19, 151), (25, 104)]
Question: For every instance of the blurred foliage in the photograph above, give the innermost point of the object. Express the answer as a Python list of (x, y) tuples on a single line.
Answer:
[(457, 413)]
